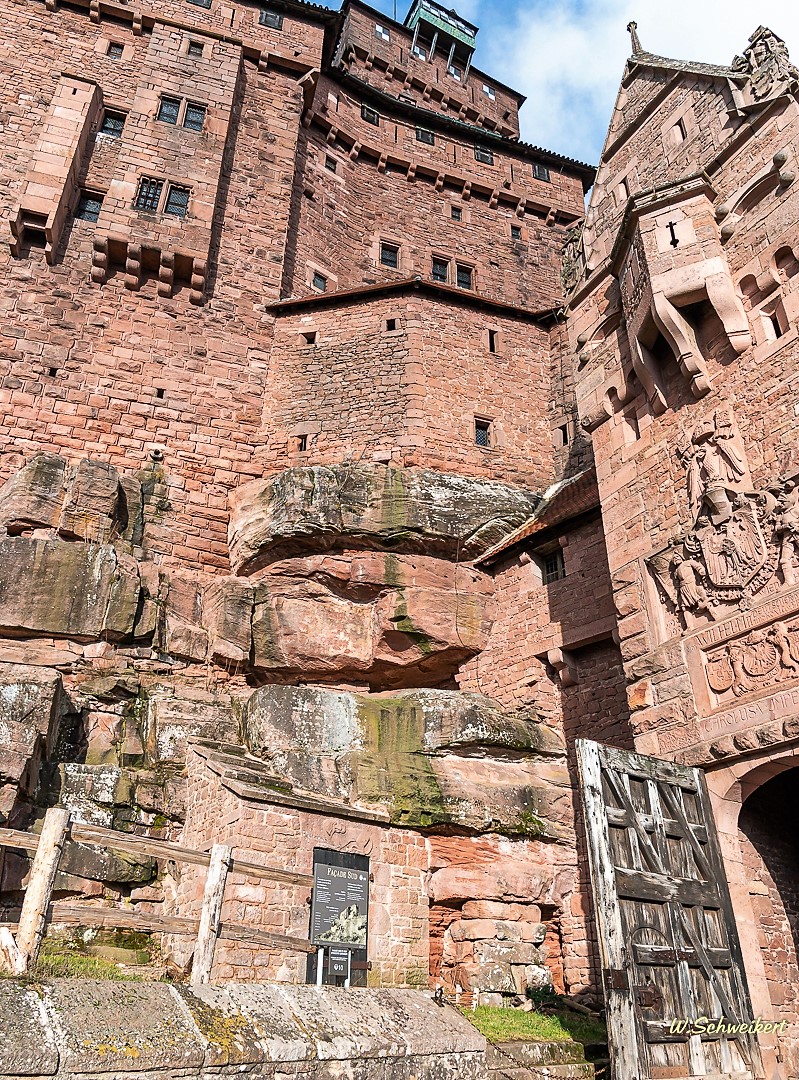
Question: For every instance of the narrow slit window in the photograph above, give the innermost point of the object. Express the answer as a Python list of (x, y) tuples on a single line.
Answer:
[(302, 444), (194, 119), (492, 341), (113, 123), (465, 276), (679, 133), (482, 433), (177, 201), (319, 282), (425, 136), (195, 50), (441, 270), (389, 255), (271, 18), (168, 110), (89, 205), (114, 50), (149, 193)]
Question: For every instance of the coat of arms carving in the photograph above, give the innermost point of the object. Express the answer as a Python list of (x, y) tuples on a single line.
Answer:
[(742, 539)]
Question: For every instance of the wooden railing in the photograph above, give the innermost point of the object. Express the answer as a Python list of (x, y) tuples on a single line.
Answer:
[(20, 943)]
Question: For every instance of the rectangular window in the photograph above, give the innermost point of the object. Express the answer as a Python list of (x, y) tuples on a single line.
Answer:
[(149, 194), (88, 208), (302, 444), (464, 276), (195, 116), (112, 124), (370, 116), (553, 566), (425, 136), (484, 155), (492, 341), (389, 255), (515, 232), (482, 432), (177, 200), (455, 73), (114, 51), (331, 164), (319, 281), (489, 91), (382, 32), (456, 213), (271, 18), (440, 270), (168, 110), (541, 172), (195, 50), (420, 52), (201, 3)]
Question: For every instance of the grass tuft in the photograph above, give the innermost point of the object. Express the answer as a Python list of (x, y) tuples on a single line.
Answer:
[(506, 1025)]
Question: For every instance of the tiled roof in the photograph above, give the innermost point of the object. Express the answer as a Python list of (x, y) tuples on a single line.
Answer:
[(719, 70), (569, 499)]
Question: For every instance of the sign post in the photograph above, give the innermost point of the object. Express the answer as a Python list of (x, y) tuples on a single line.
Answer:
[(339, 916)]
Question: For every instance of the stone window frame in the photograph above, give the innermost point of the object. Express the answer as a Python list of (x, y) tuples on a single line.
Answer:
[(685, 118), (483, 426), (494, 340), (195, 50), (487, 153), (393, 250), (268, 13), (370, 115), (313, 268), (551, 562), (111, 114), (382, 32), (164, 195), (86, 195), (626, 178), (541, 172), (184, 104), (379, 240), (424, 135), (398, 329), (462, 265), (521, 238), (115, 50), (489, 92)]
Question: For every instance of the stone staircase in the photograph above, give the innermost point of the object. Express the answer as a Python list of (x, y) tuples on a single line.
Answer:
[(537, 1061)]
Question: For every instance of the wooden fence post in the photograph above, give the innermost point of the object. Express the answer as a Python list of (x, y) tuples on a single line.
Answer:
[(221, 859), (33, 918)]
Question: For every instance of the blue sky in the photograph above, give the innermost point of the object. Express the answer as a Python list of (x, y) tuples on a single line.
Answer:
[(567, 56)]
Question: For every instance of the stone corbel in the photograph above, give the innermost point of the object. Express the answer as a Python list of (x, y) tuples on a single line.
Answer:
[(565, 664)]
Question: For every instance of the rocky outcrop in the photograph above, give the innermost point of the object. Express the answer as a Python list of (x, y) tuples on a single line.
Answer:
[(85, 501), (430, 757), (30, 700), (58, 589), (371, 506)]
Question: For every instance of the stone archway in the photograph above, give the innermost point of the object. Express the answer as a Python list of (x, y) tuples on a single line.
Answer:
[(755, 803), (770, 856)]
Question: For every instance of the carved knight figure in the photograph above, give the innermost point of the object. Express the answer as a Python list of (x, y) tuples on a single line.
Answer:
[(715, 463), (692, 596), (786, 529)]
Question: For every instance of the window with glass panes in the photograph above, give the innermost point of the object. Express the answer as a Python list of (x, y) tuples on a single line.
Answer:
[(149, 193), (89, 204), (440, 270), (194, 117), (464, 276), (113, 123), (168, 110), (271, 18), (177, 200)]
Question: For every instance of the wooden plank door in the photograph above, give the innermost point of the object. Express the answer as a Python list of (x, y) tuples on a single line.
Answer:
[(668, 942)]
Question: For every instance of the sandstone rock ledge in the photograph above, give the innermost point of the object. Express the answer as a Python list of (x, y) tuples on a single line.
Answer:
[(74, 1027)]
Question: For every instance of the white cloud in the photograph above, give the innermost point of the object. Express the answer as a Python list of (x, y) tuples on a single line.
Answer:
[(568, 56)]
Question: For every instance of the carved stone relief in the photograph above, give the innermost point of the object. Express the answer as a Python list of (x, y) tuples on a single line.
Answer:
[(767, 63), (743, 541)]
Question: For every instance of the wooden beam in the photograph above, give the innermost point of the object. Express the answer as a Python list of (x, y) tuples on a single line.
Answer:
[(11, 959), (33, 918), (208, 932)]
